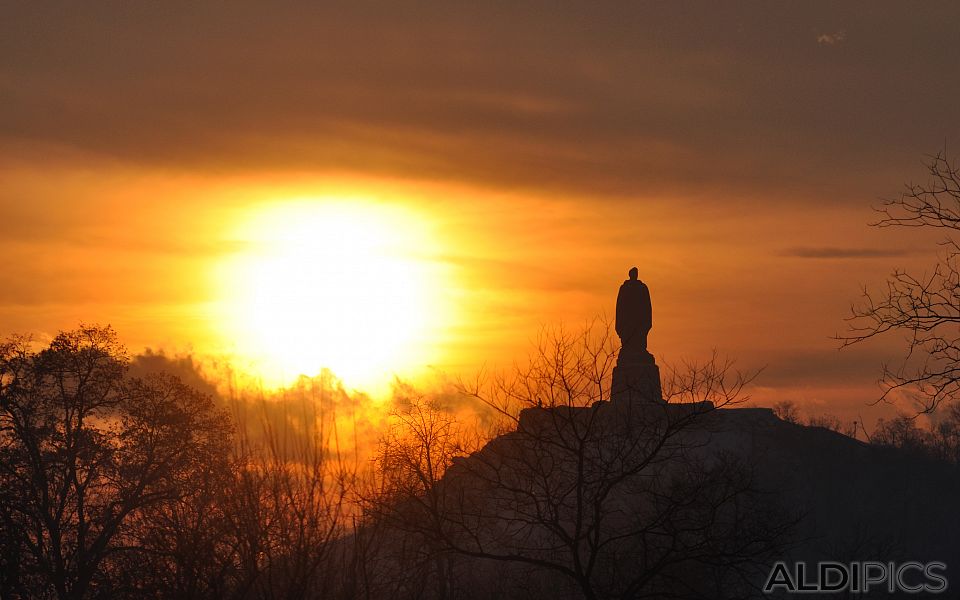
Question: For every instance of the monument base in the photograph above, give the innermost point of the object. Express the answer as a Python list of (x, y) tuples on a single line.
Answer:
[(636, 383)]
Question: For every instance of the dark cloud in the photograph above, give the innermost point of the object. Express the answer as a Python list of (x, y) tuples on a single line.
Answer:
[(290, 417), (824, 367), (839, 253), (184, 366), (812, 99)]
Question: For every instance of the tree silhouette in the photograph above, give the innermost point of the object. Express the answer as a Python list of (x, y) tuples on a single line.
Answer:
[(287, 506), (83, 450), (419, 446), (598, 499), (926, 308)]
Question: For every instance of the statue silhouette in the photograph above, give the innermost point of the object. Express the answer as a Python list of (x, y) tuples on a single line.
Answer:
[(634, 319), (636, 377)]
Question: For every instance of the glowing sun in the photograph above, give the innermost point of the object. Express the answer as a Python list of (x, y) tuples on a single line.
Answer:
[(343, 285)]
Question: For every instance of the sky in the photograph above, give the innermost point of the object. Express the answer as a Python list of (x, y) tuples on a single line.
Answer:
[(513, 161)]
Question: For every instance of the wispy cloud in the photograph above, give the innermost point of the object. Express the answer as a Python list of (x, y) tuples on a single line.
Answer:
[(832, 39), (835, 252)]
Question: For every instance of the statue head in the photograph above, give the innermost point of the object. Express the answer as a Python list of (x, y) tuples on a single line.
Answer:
[(633, 274)]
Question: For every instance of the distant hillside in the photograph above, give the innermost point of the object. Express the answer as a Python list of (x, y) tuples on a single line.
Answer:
[(661, 500), (861, 502)]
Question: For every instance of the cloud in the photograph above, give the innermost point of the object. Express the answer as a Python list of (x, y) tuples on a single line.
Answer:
[(841, 253), (832, 39), (295, 416), (611, 103), (189, 369), (791, 367)]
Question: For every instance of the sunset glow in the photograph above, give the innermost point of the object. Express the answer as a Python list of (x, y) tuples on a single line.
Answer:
[(331, 283), (394, 191)]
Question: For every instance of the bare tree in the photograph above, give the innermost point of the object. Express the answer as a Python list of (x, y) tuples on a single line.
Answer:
[(596, 498), (421, 441), (287, 505), (941, 441), (834, 423), (83, 449), (114, 486), (787, 411), (926, 308)]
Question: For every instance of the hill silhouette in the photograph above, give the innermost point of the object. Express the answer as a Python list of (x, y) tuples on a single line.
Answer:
[(607, 483), (682, 500), (635, 487)]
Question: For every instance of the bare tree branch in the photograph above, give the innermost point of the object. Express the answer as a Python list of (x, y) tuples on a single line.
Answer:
[(926, 308)]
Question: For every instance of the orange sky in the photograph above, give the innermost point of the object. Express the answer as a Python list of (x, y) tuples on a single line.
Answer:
[(732, 155)]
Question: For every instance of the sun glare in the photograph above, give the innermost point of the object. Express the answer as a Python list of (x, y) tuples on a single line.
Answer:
[(344, 285)]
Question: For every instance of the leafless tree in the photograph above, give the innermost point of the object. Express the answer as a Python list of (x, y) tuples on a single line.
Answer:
[(834, 423), (83, 450), (787, 411), (114, 486), (926, 308), (288, 505), (420, 443), (941, 441), (585, 496), (182, 548)]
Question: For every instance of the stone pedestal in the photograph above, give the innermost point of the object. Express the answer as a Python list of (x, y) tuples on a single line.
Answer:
[(636, 380)]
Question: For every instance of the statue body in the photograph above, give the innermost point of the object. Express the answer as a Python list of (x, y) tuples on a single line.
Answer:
[(636, 377), (634, 319)]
